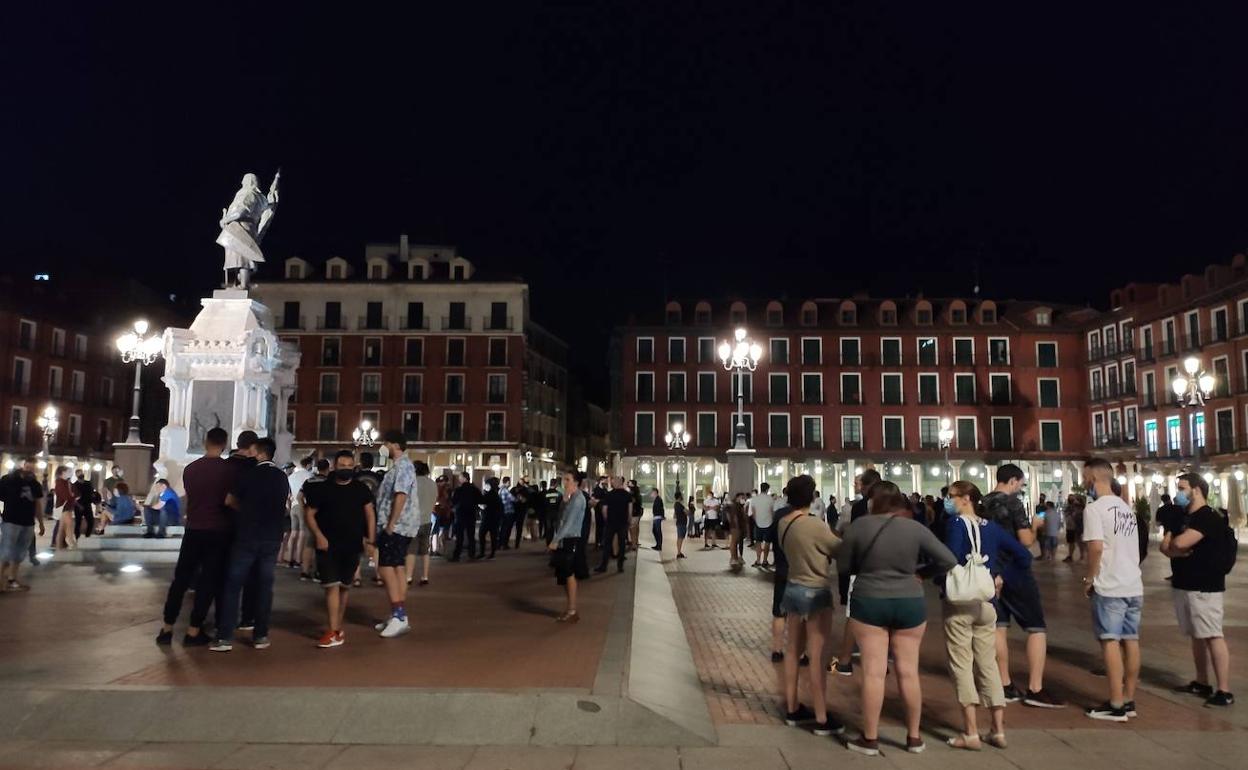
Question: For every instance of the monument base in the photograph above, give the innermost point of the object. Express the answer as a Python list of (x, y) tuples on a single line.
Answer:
[(742, 471), (135, 461)]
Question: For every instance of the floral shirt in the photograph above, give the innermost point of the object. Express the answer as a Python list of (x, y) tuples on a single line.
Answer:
[(401, 479)]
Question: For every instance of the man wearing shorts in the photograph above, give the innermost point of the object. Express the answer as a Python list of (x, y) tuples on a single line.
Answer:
[(762, 512), (425, 498), (1115, 586), (396, 526), (1019, 599), (22, 495), (292, 548), (710, 522), (1196, 547), (340, 516)]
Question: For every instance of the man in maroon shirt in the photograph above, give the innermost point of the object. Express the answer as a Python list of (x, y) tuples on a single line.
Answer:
[(206, 542)]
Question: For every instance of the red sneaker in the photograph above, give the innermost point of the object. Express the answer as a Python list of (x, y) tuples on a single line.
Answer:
[(331, 639)]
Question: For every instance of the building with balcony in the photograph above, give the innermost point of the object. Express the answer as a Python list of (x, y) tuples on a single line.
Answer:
[(416, 337)]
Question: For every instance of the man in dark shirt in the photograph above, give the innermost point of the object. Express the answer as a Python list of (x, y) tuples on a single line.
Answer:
[(205, 542), (85, 499), (341, 517), (308, 556), (553, 500), (1171, 518), (22, 495), (618, 504), (599, 496), (466, 501), (260, 498), (656, 509)]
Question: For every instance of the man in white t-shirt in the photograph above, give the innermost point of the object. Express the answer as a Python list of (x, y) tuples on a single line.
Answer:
[(710, 522), (296, 538), (818, 508), (1115, 586), (762, 510)]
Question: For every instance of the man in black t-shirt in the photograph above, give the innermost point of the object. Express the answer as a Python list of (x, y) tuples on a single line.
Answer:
[(341, 517), (22, 495), (1197, 557), (618, 504), (554, 499)]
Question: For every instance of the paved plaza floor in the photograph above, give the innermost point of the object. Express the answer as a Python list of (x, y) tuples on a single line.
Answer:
[(668, 669)]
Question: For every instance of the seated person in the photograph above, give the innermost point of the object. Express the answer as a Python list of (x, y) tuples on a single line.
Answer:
[(120, 507)]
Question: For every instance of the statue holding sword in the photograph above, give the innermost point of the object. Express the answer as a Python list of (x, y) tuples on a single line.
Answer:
[(243, 226)]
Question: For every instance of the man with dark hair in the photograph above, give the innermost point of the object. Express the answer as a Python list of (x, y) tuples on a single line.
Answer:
[(465, 501), (307, 556), (658, 514), (619, 505), (165, 509), (1197, 549), (425, 498), (341, 518), (260, 499), (550, 519), (22, 495), (205, 547), (1019, 599), (397, 524), (762, 507)]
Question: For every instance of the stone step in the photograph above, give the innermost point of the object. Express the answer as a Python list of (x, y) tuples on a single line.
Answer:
[(120, 530), (129, 544), (91, 556)]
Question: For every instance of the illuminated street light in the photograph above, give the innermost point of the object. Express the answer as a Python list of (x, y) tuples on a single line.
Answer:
[(740, 357), (139, 349), (677, 438), (365, 435), (1195, 387)]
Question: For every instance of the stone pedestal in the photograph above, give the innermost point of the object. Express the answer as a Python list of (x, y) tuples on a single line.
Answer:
[(135, 461), (227, 370), (742, 472)]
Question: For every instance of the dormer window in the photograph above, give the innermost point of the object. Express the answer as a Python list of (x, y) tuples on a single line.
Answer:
[(888, 317), (1044, 318), (810, 314), (458, 272), (294, 271), (957, 315), (988, 315), (702, 314), (673, 314), (923, 317), (376, 271), (337, 272), (737, 313)]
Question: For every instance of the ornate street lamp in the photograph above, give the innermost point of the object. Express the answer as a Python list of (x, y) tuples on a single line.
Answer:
[(365, 435), (740, 357), (137, 348), (677, 438), (945, 437), (1193, 388), (48, 423)]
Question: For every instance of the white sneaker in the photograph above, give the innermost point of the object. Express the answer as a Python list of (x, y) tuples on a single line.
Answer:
[(395, 627)]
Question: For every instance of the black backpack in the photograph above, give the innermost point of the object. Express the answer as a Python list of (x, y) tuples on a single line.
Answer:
[(1229, 550)]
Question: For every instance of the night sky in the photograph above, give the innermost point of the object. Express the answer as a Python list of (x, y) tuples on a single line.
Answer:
[(615, 154)]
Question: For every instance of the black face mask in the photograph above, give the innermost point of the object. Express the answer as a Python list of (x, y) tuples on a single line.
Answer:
[(342, 476)]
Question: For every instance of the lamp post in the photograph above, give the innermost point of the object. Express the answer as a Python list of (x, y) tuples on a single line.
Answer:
[(1195, 386), (137, 348), (677, 438), (48, 423), (945, 437), (365, 435), (740, 357)]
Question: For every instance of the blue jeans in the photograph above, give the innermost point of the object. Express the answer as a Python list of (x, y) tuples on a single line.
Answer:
[(256, 560), (657, 530)]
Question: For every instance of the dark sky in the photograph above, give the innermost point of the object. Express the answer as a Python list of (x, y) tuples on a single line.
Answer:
[(614, 152)]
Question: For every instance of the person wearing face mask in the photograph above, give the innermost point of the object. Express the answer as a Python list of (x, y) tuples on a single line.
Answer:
[(340, 517), (491, 516), (22, 495)]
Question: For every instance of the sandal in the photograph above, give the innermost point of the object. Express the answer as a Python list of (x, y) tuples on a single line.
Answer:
[(996, 740), (968, 742), (568, 617), (356, 583)]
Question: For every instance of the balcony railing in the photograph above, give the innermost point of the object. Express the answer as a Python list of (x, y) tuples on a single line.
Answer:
[(414, 324), (854, 445), (491, 323), (456, 324), (1145, 353), (292, 323), (379, 324), (336, 324)]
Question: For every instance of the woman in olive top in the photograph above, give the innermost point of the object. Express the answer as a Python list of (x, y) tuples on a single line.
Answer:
[(884, 552), (808, 546)]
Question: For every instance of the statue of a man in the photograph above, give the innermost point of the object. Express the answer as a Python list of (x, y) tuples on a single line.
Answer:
[(243, 226)]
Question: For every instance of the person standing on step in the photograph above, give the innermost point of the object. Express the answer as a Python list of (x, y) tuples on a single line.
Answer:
[(340, 516), (85, 499)]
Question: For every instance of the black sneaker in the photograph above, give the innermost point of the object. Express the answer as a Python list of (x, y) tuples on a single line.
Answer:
[(681, 556), (1196, 688), (828, 726), (777, 657), (1219, 699), (864, 746), (804, 660), (164, 637), (1129, 707), (1042, 699), (795, 718), (1107, 712), (1013, 694), (199, 640)]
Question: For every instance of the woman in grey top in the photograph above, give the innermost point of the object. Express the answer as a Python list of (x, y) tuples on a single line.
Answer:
[(889, 552), (568, 544)]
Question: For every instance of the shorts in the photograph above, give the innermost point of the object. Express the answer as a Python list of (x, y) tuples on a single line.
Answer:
[(1116, 617), (777, 597), (804, 601), (1020, 601), (1199, 613), (420, 544), (296, 519), (895, 614), (15, 540), (392, 549), (763, 533), (336, 566), (711, 525), (1051, 542), (1073, 536)]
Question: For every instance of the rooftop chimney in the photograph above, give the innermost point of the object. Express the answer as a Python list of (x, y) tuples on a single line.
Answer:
[(403, 249)]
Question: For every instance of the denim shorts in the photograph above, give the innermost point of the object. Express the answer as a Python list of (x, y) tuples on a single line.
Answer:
[(1116, 617), (804, 602), (15, 542)]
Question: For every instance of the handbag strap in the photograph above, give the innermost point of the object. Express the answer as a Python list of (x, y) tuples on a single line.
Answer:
[(859, 559)]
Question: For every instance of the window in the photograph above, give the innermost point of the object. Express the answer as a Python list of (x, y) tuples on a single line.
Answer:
[(1048, 389), (1112, 389), (372, 316), (1129, 424), (495, 425), (923, 316), (457, 317), (812, 388), (810, 316), (333, 316), (890, 351), (1046, 354), (999, 388), (676, 387), (106, 391), (453, 426), (779, 351), (812, 351), (1168, 344), (645, 350), (1174, 435), (1002, 433), (645, 387), (737, 314), (850, 351), (747, 420), (964, 389), (812, 432), (927, 351), (957, 315), (1050, 436), (496, 389), (778, 430), (890, 388), (705, 436), (851, 433), (17, 426), (326, 426), (1150, 389), (331, 351), (1128, 378), (58, 342), (778, 388), (290, 316), (1115, 426), (851, 388), (1094, 345), (455, 347), (1221, 377), (888, 316), (963, 351), (701, 314), (80, 347), (706, 387), (290, 421), (414, 352), (1225, 421), (676, 350), (849, 316), (413, 387), (77, 386), (498, 351), (1193, 329), (929, 389), (998, 351), (21, 376), (56, 377), (1150, 436), (454, 389), (988, 315), (415, 317), (775, 316), (372, 351), (743, 384), (498, 316), (706, 350), (26, 335), (1146, 343), (1198, 431), (370, 392), (894, 433), (1098, 429), (929, 433), (329, 389), (968, 433), (643, 428), (411, 426), (1220, 330), (1044, 318)]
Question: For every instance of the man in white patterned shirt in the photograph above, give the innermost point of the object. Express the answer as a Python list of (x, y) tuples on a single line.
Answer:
[(397, 523)]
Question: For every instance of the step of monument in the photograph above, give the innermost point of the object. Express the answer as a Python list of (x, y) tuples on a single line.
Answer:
[(131, 543), (92, 556), (120, 530)]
